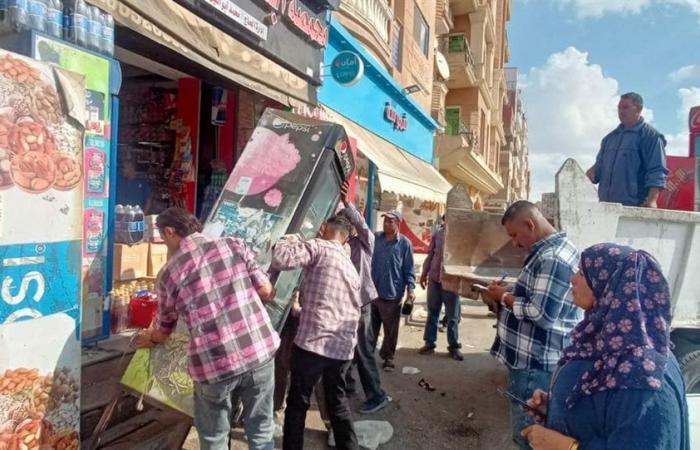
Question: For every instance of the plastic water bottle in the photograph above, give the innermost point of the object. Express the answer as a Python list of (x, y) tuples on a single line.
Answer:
[(95, 29), (107, 34), (119, 224), (138, 218), (54, 22), (38, 13), (131, 227), (75, 22), (18, 14)]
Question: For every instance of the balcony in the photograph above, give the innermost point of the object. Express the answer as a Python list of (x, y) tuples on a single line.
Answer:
[(461, 162), (443, 17), (459, 56), (460, 7), (374, 15)]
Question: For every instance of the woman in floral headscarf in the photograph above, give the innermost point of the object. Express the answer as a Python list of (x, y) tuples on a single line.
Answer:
[(618, 386)]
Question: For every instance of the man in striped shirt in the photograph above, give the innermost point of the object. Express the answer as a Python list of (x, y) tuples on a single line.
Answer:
[(537, 315), (326, 338), (216, 287)]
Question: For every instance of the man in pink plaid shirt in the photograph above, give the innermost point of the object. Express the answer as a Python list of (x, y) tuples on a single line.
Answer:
[(216, 287), (325, 341)]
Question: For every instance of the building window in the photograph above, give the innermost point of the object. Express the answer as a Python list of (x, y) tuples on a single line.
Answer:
[(452, 120), (396, 45), (456, 43), (421, 31)]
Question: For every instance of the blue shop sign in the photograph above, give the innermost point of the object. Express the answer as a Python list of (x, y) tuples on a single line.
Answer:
[(347, 68)]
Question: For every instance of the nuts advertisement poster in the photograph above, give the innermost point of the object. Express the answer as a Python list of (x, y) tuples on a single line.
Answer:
[(41, 200)]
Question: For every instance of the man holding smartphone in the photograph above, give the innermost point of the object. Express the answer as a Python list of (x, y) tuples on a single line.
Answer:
[(537, 315)]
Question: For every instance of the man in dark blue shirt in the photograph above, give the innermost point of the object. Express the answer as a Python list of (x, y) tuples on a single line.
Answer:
[(393, 274), (631, 165)]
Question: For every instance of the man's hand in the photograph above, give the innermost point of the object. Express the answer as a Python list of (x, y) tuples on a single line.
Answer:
[(410, 297), (538, 401), (590, 173), (652, 197), (423, 282), (495, 291), (344, 193), (542, 438), (143, 339)]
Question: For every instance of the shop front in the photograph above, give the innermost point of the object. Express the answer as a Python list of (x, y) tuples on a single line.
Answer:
[(196, 77), (171, 102), (393, 134)]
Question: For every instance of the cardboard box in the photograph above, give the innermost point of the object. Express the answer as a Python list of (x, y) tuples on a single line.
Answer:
[(130, 261), (157, 256)]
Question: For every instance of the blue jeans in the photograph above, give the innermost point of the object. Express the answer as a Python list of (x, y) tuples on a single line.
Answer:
[(523, 383), (365, 359), (453, 312), (213, 404)]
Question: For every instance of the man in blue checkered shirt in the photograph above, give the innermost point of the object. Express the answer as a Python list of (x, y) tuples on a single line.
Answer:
[(535, 316)]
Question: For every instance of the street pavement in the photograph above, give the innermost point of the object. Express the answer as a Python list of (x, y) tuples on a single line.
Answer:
[(463, 412)]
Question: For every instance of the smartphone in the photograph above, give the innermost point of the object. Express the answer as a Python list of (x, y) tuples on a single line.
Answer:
[(523, 404)]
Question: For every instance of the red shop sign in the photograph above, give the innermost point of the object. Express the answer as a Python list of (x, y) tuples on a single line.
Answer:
[(400, 121), (304, 21)]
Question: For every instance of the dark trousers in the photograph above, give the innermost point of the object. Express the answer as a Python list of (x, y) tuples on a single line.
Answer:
[(365, 360), (307, 368), (387, 313)]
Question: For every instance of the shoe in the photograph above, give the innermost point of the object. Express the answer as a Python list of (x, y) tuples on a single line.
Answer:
[(426, 350), (456, 355), (389, 365), (370, 407), (442, 328)]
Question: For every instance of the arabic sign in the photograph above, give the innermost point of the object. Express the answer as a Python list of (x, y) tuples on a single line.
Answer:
[(391, 115), (347, 68), (238, 15)]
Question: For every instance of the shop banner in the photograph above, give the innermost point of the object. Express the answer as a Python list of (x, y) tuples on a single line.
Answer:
[(41, 196), (264, 198), (94, 172)]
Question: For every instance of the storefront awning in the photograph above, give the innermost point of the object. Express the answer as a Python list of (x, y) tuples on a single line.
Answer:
[(399, 171), (171, 25)]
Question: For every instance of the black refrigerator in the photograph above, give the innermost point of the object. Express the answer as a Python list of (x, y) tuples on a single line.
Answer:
[(286, 181)]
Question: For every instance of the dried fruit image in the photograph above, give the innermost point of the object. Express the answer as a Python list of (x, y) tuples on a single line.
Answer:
[(30, 136), (18, 70), (68, 171), (35, 172), (46, 105), (38, 411)]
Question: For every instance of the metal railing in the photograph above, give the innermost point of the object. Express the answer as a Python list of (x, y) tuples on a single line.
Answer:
[(458, 46), (376, 13)]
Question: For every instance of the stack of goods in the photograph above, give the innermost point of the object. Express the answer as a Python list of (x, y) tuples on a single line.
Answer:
[(133, 304), (146, 136), (73, 20)]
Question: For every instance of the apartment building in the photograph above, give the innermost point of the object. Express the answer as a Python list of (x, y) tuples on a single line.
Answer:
[(514, 168), (386, 109), (400, 35), (469, 94)]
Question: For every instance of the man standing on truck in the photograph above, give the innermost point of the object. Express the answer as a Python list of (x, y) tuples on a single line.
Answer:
[(537, 315), (631, 165)]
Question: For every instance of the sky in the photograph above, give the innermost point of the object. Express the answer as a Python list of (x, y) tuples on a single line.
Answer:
[(576, 57)]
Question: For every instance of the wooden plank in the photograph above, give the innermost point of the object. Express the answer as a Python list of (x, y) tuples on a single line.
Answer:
[(156, 435)]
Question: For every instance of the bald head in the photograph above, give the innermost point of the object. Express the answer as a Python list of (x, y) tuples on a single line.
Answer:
[(525, 224), (519, 209)]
